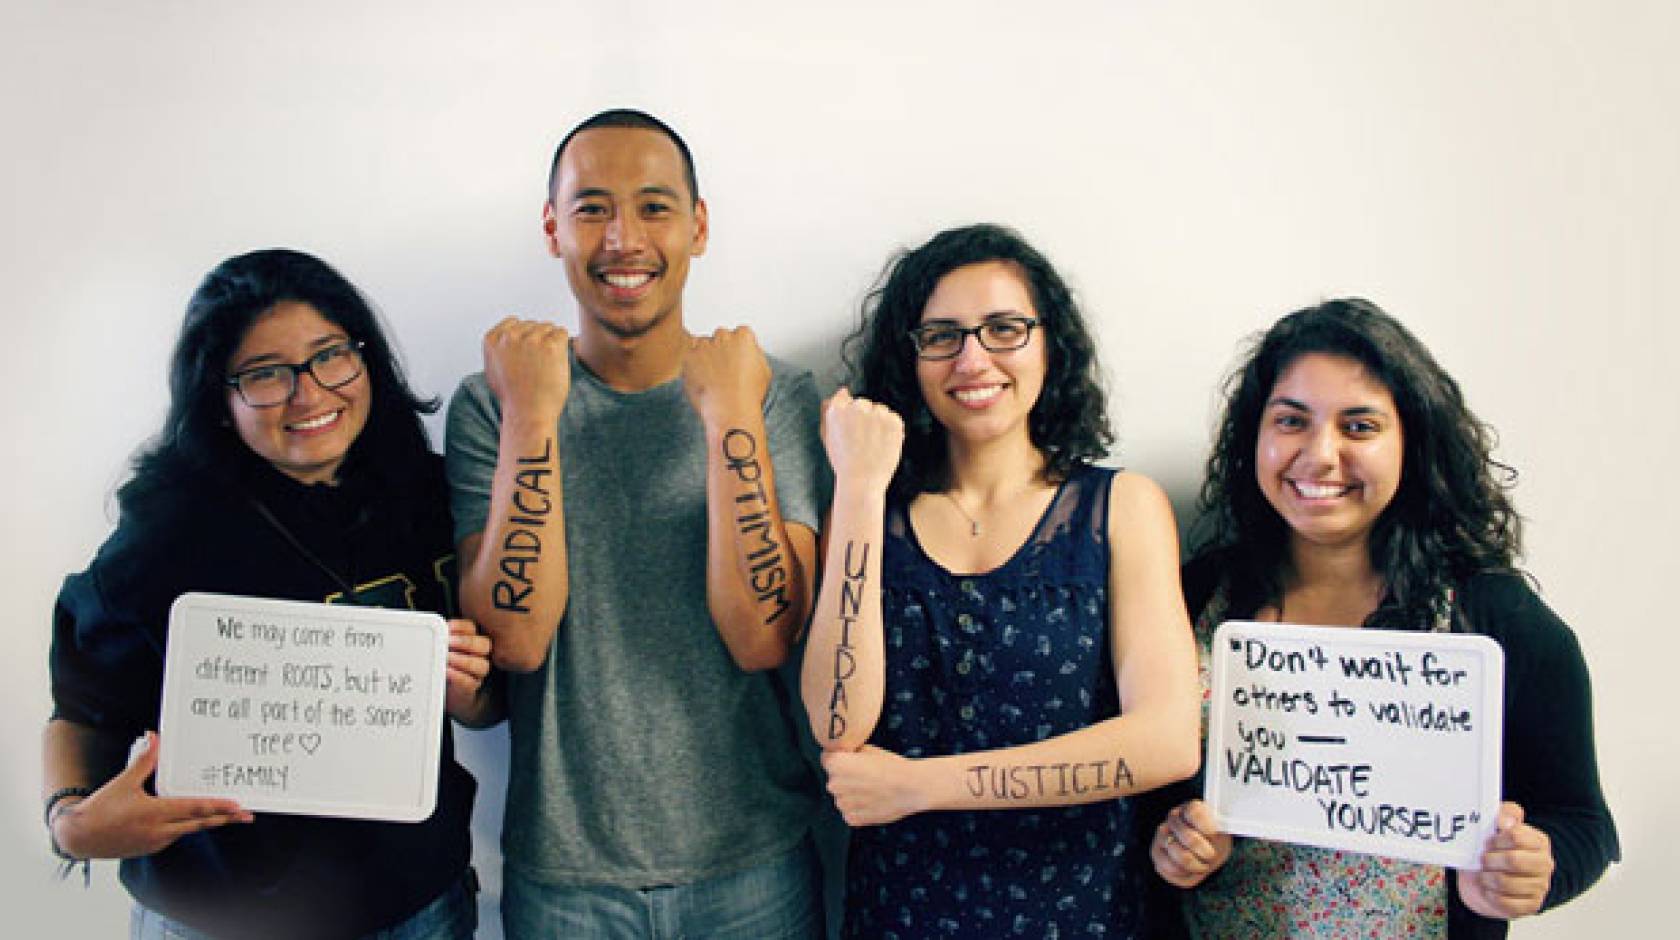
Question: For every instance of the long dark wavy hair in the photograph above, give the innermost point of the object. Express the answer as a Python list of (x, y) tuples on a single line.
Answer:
[(1449, 519), (1069, 422), (197, 436)]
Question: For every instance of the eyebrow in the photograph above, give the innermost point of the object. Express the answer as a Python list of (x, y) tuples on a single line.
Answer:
[(271, 358), (994, 315), (1288, 402), (596, 192)]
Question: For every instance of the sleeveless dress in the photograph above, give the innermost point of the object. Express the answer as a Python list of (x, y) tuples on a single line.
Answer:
[(975, 662)]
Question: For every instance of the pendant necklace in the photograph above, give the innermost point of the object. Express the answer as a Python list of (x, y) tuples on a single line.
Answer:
[(973, 524), (350, 593)]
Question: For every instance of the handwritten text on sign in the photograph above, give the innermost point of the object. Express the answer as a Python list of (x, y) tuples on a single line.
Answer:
[(1372, 741), (292, 707)]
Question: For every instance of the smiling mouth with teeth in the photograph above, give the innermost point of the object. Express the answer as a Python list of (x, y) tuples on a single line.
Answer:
[(1322, 490), (315, 423), (624, 281), (977, 394)]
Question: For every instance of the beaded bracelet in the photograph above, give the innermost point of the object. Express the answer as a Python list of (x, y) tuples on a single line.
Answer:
[(50, 814), (59, 796)]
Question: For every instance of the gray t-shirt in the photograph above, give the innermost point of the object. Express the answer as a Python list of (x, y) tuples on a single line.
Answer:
[(642, 755)]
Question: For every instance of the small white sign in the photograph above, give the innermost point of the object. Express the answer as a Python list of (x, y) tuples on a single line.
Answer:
[(1373, 741), (291, 707)]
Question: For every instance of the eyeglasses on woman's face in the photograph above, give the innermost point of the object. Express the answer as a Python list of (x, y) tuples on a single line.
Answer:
[(937, 341), (268, 386)]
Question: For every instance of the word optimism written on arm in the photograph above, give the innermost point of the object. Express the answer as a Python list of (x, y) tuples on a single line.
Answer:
[(522, 546), (768, 574), (845, 664)]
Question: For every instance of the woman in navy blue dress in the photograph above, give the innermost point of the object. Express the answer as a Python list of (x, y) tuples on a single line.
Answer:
[(1000, 652)]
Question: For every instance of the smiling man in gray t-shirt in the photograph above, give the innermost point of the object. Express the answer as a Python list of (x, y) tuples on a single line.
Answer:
[(636, 516)]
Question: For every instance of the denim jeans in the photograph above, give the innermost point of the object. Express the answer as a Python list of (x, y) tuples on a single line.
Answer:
[(453, 916), (778, 900)]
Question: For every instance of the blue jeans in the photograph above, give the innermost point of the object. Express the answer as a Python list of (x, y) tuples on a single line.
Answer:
[(453, 916), (778, 900)]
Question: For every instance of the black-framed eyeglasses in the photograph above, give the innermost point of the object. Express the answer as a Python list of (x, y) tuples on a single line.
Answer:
[(997, 334), (270, 385)]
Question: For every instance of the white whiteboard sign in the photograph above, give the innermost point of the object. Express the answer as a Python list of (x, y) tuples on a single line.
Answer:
[(290, 707), (1372, 741)]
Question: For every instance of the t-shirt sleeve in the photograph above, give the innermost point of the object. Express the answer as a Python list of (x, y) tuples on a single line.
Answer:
[(106, 661), (471, 442), (1551, 765), (791, 418)]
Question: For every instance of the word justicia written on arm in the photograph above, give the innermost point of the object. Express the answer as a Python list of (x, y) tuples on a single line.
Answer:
[(522, 546), (1040, 781), (845, 664), (767, 566)]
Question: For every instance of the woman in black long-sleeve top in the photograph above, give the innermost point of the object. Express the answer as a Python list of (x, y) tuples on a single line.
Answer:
[(1351, 485)]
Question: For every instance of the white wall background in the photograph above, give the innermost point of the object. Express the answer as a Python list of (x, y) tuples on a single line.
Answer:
[(1501, 175)]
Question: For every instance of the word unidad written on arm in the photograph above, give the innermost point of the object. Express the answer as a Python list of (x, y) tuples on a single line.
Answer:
[(845, 662), (1371, 741), (292, 707)]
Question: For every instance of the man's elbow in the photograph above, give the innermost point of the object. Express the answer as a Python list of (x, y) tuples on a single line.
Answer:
[(760, 656), (515, 657)]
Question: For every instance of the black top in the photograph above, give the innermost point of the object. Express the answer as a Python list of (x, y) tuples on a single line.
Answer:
[(1550, 765), (281, 875)]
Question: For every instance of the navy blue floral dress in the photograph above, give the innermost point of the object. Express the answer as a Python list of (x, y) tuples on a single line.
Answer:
[(975, 662)]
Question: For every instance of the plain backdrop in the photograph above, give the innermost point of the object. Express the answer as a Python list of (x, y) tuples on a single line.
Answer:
[(1500, 175)]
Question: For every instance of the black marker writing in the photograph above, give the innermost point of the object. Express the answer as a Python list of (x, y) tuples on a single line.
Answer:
[(522, 546), (851, 601), (1302, 776), (1383, 819), (1036, 781), (767, 573)]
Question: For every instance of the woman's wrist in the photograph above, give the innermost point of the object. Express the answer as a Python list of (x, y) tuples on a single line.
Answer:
[(60, 804)]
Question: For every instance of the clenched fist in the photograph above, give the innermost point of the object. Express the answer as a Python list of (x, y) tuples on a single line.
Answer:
[(863, 439), (528, 366), (725, 374)]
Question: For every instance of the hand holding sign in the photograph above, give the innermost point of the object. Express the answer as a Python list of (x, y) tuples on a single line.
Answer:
[(469, 663), (122, 820), (1188, 846), (1516, 870)]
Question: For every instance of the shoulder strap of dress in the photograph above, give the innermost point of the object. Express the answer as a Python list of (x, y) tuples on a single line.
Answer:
[(1079, 508)]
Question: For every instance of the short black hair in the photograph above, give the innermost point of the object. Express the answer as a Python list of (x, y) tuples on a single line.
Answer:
[(1069, 422), (627, 117)]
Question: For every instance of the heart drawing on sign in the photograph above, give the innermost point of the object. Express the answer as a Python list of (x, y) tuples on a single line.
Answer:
[(309, 742)]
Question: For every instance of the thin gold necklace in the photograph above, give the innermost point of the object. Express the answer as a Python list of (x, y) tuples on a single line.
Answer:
[(973, 524)]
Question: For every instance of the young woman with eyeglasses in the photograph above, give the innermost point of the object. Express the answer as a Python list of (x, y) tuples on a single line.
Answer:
[(1000, 653), (1351, 486), (292, 464)]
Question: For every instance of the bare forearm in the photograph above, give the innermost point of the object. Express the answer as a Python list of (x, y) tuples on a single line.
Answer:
[(842, 679), (757, 586), (514, 577), (76, 755), (1113, 758)]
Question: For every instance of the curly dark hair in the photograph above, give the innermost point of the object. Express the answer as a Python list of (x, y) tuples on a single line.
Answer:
[(1069, 422), (197, 437), (1449, 519)]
